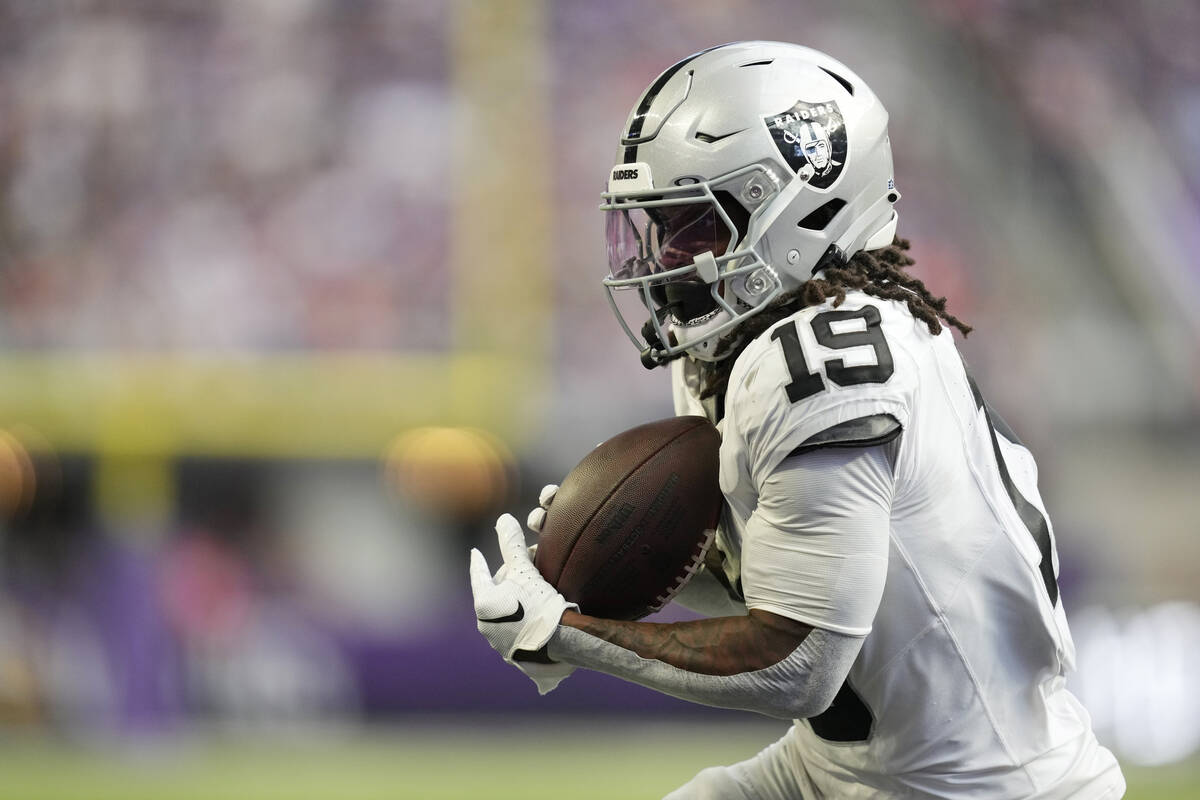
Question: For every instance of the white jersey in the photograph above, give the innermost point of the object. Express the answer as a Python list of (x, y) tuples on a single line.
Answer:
[(959, 689)]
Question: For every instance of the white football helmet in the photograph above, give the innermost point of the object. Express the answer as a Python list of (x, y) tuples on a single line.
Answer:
[(742, 171)]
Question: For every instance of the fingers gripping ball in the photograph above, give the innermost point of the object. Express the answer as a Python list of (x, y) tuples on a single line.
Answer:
[(631, 522), (537, 517)]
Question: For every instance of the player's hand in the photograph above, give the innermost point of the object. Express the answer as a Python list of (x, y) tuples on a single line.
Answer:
[(535, 521), (517, 609), (537, 517)]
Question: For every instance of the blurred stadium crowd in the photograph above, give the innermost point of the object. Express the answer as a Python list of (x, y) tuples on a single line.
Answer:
[(276, 182)]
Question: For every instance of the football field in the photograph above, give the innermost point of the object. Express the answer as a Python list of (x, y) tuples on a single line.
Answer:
[(537, 759)]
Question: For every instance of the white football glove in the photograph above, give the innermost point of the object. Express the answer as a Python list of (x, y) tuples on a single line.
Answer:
[(517, 610), (535, 521), (537, 517)]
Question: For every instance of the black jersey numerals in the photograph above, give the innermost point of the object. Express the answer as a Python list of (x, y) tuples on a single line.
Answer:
[(805, 382)]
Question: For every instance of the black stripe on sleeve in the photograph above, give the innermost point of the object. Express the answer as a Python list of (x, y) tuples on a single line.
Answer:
[(868, 431)]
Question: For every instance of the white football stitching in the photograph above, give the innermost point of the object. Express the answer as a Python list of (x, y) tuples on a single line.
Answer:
[(688, 571)]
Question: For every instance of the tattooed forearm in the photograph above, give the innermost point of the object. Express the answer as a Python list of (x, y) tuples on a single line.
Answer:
[(720, 646)]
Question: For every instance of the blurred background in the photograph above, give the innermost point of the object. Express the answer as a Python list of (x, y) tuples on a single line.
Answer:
[(297, 295)]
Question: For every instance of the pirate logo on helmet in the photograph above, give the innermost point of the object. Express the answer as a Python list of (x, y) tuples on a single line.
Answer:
[(811, 137)]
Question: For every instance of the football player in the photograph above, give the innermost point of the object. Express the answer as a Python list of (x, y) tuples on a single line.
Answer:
[(885, 571)]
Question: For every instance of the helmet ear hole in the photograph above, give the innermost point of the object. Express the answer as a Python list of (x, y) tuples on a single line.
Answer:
[(819, 218), (738, 214)]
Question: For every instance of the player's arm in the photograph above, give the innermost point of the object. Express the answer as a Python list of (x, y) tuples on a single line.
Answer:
[(717, 646), (813, 567)]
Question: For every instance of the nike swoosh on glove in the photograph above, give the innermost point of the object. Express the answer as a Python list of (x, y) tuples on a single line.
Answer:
[(517, 609)]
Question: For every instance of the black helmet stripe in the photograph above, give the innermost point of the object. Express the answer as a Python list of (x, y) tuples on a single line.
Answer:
[(635, 127)]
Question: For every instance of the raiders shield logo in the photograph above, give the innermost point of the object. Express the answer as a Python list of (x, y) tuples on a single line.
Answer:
[(811, 137)]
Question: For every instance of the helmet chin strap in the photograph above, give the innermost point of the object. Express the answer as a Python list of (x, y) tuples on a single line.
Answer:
[(652, 359), (653, 354), (705, 349)]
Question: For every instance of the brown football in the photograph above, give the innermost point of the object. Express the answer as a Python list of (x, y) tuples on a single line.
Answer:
[(631, 522)]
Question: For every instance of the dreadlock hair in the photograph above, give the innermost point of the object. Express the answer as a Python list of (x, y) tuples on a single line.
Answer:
[(879, 273)]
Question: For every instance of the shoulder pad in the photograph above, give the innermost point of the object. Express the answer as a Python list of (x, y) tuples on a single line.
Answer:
[(861, 432)]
